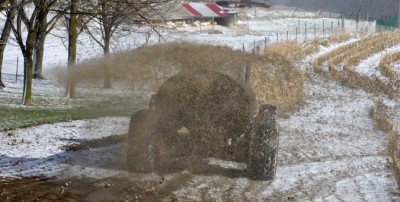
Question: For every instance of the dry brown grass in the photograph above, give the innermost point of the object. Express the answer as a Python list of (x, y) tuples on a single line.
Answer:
[(341, 63), (384, 123), (379, 115), (340, 53), (336, 56), (385, 65), (385, 40), (340, 36), (394, 152), (273, 79), (292, 50)]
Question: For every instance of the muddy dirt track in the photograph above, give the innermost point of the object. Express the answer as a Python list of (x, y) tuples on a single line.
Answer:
[(150, 188), (329, 151), (31, 189)]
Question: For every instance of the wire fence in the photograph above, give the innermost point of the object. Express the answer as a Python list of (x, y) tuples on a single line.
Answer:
[(15, 78), (11, 77), (305, 31), (388, 22)]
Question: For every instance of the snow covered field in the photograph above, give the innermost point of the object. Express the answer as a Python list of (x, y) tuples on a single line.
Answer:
[(41, 150), (266, 25), (328, 149)]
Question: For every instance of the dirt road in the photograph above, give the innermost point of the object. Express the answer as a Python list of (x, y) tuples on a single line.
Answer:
[(329, 151)]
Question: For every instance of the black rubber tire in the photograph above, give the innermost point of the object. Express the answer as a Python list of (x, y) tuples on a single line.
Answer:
[(264, 145), (140, 154)]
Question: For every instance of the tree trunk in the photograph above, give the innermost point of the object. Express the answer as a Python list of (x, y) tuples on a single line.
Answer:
[(5, 35), (39, 57), (28, 68), (107, 76), (72, 47), (107, 37), (28, 76), (39, 48), (2, 47)]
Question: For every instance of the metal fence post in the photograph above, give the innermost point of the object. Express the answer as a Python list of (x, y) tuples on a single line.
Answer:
[(287, 35), (305, 31), (254, 47), (315, 30), (342, 22), (265, 42)]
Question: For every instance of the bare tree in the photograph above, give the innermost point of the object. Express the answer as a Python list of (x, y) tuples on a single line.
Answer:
[(44, 28), (78, 10), (30, 21), (10, 7), (73, 12), (106, 20), (109, 16), (72, 46)]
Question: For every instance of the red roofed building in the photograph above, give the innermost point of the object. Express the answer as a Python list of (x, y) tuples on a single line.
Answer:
[(195, 11), (211, 11)]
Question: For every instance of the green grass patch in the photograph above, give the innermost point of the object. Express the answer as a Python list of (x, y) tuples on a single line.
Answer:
[(74, 109)]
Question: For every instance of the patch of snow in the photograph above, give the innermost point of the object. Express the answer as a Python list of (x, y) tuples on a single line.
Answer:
[(306, 63), (396, 67), (276, 12), (227, 164), (370, 66), (38, 150)]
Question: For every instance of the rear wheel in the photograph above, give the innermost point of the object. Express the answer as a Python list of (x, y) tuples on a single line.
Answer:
[(264, 145), (140, 156)]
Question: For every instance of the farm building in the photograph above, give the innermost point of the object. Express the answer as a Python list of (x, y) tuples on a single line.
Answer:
[(243, 3), (196, 11), (211, 11)]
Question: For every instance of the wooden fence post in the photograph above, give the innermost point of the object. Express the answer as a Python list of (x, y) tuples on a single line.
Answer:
[(16, 72)]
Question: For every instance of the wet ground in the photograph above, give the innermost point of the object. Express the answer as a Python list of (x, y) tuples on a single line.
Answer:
[(33, 189)]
